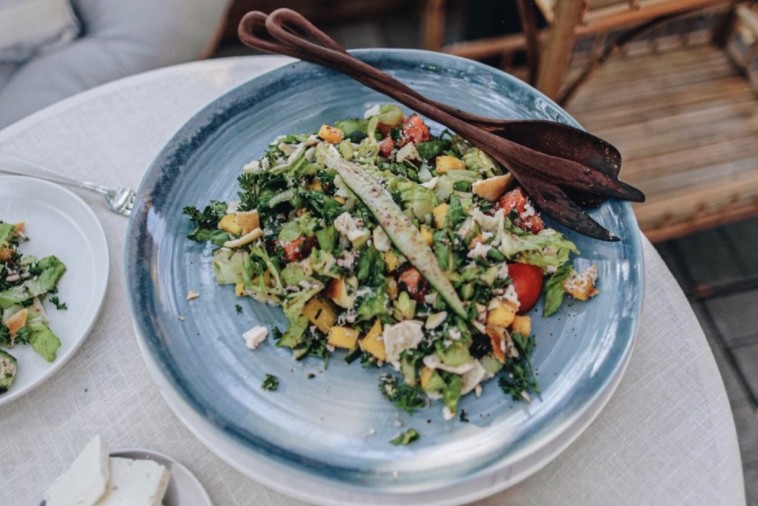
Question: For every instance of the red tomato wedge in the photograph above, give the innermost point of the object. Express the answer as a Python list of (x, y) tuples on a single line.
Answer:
[(527, 281)]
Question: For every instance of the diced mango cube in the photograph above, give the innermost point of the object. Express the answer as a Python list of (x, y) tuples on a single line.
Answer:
[(427, 234), (338, 292), (320, 313), (522, 325), (392, 260), (229, 224), (17, 321), (502, 315), (425, 375), (330, 134), (447, 163), (239, 289), (342, 337), (314, 186), (372, 342), (493, 188), (497, 340), (439, 214), (247, 220)]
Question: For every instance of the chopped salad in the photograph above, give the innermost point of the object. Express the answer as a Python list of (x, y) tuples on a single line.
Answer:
[(400, 247), (24, 282)]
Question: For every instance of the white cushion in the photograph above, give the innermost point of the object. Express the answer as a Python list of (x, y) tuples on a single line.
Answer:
[(31, 26)]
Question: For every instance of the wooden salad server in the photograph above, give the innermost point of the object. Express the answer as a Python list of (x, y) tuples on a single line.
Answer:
[(557, 165)]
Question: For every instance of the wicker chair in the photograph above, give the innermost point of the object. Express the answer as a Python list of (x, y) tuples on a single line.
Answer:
[(663, 80)]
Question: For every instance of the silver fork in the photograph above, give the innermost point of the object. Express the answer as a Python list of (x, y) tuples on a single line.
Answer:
[(119, 200)]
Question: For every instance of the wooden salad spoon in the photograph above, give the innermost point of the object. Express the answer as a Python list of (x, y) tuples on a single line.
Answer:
[(557, 165)]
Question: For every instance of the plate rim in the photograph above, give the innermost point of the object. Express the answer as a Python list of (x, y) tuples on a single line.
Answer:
[(98, 240), (599, 399)]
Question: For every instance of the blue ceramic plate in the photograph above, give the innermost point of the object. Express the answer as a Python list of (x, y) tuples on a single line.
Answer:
[(324, 434)]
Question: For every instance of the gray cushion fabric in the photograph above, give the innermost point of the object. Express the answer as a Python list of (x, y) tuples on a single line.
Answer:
[(119, 38), (7, 70)]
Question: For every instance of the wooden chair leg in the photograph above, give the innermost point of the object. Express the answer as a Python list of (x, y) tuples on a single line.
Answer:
[(531, 32), (433, 24), (556, 56)]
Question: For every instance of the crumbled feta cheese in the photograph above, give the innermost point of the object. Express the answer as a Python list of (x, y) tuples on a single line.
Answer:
[(254, 166), (502, 271), (232, 206), (447, 414), (407, 152), (431, 184), (454, 333), (255, 336), (581, 285), (511, 296), (401, 336), (430, 298), (347, 259), (381, 240), (466, 227), (480, 250), (424, 174), (433, 362), (347, 226), (366, 290), (374, 110)]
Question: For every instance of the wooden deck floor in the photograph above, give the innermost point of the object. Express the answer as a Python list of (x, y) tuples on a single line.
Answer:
[(686, 124)]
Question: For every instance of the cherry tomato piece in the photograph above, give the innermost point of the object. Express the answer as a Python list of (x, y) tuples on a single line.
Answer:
[(527, 281), (386, 147), (516, 200), (415, 130)]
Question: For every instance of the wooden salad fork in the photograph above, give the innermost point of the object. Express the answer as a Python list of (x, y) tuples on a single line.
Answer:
[(558, 166)]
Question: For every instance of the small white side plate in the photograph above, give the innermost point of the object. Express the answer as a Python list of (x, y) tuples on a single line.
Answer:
[(58, 223), (183, 488)]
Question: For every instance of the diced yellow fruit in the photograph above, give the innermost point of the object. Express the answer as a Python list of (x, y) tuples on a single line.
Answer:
[(391, 288), (17, 321), (320, 313), (239, 289), (314, 186), (337, 291), (424, 376), (497, 340), (501, 315), (342, 337), (372, 342), (340, 199), (330, 134), (427, 234), (447, 163), (439, 214), (522, 325), (392, 260), (492, 188), (229, 224), (248, 220)]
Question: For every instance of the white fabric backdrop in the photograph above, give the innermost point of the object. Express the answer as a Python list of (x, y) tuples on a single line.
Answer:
[(666, 437)]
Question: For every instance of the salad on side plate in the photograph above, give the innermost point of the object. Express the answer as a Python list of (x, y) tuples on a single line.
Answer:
[(25, 281), (403, 248)]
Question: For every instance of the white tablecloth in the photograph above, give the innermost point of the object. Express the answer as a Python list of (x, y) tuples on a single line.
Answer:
[(666, 437)]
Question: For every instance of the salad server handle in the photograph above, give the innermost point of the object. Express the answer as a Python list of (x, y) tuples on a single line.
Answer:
[(286, 32)]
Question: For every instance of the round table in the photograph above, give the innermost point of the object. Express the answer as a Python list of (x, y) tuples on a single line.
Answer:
[(666, 437)]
